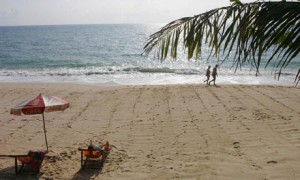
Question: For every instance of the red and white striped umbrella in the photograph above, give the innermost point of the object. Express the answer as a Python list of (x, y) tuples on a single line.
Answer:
[(39, 105)]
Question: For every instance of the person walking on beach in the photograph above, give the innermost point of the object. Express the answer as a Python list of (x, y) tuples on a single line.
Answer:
[(207, 75), (214, 75)]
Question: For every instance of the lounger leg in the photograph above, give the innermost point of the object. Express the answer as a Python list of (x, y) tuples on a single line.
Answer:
[(81, 160), (102, 162), (85, 163), (103, 158), (21, 168), (38, 165), (16, 165)]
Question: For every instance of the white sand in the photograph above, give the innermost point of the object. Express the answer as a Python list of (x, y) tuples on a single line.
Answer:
[(161, 132)]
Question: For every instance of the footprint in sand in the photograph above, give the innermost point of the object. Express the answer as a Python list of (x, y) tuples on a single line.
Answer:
[(272, 162), (254, 165), (236, 144)]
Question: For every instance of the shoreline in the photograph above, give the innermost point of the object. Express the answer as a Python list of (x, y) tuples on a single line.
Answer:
[(152, 79), (198, 82), (160, 131)]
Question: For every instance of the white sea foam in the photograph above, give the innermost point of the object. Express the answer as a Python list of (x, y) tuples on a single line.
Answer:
[(140, 78)]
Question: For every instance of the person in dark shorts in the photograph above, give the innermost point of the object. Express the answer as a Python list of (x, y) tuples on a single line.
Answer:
[(214, 74), (207, 75)]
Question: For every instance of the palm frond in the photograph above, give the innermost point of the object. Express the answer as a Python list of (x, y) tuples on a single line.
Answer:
[(249, 30)]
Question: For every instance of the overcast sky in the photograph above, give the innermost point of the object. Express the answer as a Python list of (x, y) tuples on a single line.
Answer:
[(48, 12)]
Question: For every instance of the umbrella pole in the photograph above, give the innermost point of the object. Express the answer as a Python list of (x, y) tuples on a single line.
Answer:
[(45, 131)]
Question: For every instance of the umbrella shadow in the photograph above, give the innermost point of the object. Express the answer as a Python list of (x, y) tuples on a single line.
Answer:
[(9, 173)]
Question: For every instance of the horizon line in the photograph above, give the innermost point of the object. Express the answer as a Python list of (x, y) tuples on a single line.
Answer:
[(22, 25)]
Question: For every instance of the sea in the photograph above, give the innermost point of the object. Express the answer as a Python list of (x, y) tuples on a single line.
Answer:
[(112, 54)]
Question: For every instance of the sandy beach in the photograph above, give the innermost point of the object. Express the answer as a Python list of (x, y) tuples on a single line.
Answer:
[(161, 132)]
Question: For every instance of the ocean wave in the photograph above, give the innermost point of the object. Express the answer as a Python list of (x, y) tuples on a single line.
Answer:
[(96, 71), (157, 70), (115, 70), (132, 55)]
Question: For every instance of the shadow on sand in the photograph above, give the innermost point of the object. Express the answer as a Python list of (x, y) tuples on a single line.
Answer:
[(90, 173), (87, 174), (9, 173)]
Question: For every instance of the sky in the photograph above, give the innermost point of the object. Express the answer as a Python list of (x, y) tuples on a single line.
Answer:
[(50, 12)]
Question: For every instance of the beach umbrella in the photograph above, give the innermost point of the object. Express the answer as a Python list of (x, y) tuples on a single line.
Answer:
[(39, 105)]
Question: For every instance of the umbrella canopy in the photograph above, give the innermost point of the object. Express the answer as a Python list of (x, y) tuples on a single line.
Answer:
[(39, 105)]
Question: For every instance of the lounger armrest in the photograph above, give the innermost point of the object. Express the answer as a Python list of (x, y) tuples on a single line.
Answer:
[(21, 155), (82, 149)]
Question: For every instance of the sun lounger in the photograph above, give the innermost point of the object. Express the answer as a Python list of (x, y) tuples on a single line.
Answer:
[(33, 160), (93, 158)]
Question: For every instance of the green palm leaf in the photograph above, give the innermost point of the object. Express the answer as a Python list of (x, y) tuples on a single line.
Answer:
[(249, 30)]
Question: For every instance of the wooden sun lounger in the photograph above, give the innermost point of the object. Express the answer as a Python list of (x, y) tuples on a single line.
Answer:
[(93, 158), (34, 163)]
